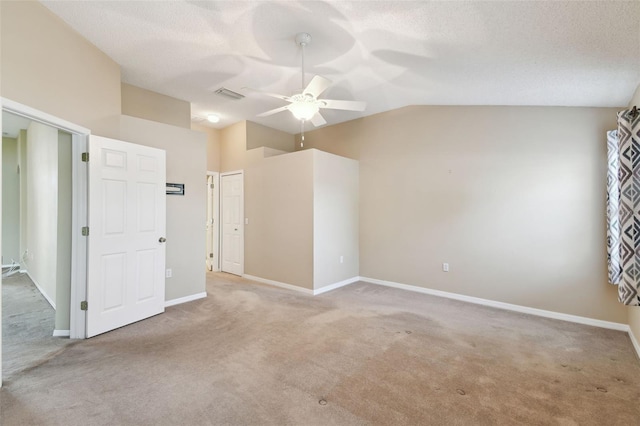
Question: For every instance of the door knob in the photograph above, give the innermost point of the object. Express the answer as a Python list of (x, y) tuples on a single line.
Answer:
[(162, 239)]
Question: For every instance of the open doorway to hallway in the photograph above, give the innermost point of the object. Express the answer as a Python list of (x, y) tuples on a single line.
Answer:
[(36, 240)]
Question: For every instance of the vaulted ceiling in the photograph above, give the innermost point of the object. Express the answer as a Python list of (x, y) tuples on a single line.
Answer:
[(387, 53)]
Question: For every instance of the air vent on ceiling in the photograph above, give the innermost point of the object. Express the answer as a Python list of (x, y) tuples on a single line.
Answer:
[(228, 93)]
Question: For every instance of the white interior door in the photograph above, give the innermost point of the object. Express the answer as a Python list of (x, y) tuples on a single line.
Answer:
[(127, 218), (232, 204)]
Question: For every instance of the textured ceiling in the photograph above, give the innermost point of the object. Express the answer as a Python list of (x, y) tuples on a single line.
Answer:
[(387, 53)]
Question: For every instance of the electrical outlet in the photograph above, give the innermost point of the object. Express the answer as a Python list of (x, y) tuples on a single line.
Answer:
[(168, 273), (445, 267)]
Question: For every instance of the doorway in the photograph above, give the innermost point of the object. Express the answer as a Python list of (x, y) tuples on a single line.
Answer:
[(232, 221), (35, 281), (36, 178), (73, 215), (212, 254)]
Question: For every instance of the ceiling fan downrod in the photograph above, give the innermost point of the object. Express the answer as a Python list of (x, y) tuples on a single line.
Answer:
[(302, 40)]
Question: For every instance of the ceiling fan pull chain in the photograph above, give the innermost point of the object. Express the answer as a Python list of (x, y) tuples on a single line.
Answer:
[(302, 133)]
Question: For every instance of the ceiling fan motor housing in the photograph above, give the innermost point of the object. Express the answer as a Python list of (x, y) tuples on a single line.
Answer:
[(303, 39)]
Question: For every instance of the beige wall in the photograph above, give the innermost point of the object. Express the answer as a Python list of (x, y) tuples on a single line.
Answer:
[(303, 215), (335, 219), (634, 311), (10, 201), (48, 66), (82, 85), (142, 103), (42, 207), (237, 139), (511, 197), (186, 215), (213, 145), (233, 147), (259, 135), (279, 206), (63, 252)]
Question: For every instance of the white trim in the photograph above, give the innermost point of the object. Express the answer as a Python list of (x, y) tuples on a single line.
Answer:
[(500, 305), (336, 285), (185, 299), (634, 341), (302, 289), (61, 333), (234, 172), (79, 219), (41, 117), (45, 295), (279, 284), (216, 218)]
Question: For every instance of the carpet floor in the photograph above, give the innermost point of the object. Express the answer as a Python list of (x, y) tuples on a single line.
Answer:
[(28, 321), (250, 354)]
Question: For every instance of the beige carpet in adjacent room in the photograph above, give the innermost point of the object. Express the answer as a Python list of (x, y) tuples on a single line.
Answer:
[(250, 354)]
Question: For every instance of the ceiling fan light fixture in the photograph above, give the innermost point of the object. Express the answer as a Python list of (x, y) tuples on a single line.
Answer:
[(304, 110)]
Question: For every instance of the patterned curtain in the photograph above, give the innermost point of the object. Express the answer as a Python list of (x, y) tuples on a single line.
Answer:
[(623, 207), (613, 208)]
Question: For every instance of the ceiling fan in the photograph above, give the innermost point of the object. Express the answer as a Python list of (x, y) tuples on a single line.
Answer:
[(306, 106)]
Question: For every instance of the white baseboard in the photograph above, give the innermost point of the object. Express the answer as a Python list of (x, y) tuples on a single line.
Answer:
[(279, 284), (45, 295), (61, 333), (301, 289), (336, 285), (185, 299), (635, 343), (501, 305)]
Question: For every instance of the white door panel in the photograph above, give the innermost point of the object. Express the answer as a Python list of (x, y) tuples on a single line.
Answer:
[(232, 223), (126, 221)]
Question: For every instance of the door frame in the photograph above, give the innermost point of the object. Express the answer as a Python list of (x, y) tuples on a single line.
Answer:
[(79, 214), (222, 175), (216, 217)]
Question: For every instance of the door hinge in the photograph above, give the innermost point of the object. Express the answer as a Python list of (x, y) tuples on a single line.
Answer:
[(212, 186), (85, 157), (84, 305), (211, 255), (85, 231)]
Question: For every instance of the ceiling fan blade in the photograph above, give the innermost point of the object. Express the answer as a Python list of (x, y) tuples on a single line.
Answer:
[(273, 95), (273, 111), (347, 105), (318, 120), (317, 85)]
